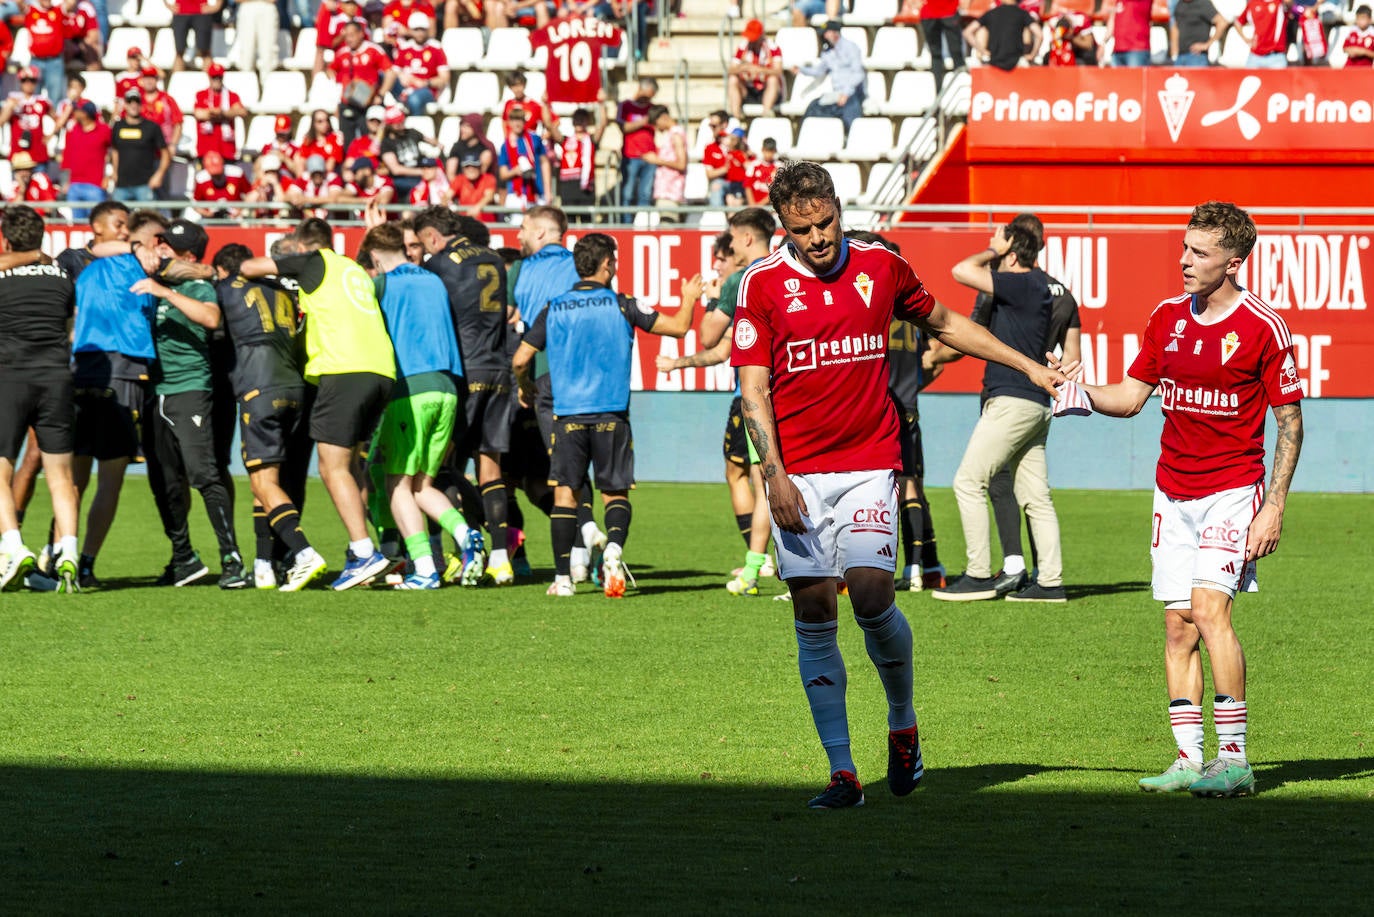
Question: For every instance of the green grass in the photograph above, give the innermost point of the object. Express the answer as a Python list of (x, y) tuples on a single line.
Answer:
[(497, 751)]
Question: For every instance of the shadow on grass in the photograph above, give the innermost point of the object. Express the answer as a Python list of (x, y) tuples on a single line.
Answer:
[(1087, 590), (979, 839)]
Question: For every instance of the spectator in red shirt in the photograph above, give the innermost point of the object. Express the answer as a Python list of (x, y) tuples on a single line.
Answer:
[(192, 16), (30, 185), (577, 162), (47, 29), (6, 43), (217, 111), (219, 183), (282, 145), (81, 30), (737, 162), (1072, 43), (940, 23), (85, 151), (758, 176), (270, 184), (76, 93), (318, 185), (474, 189), (398, 19), (1268, 33), (24, 111), (433, 188), (127, 78), (159, 107), (329, 21), (714, 160), (320, 139), (364, 72), (421, 67), (367, 145), (636, 173), (1129, 25), (366, 184), (536, 118), (756, 73), (1359, 41)]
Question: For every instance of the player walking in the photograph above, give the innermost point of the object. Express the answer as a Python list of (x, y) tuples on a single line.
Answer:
[(1219, 356), (811, 347)]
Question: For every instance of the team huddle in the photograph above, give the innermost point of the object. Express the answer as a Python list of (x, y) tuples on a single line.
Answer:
[(430, 350)]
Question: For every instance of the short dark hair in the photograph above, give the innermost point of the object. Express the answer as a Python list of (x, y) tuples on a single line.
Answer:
[(724, 244), (140, 218), (516, 77), (591, 251), (770, 144), (509, 255), (230, 258), (284, 246), (1022, 243), (552, 214), (100, 210), (314, 232), (1236, 229), (1362, 9), (388, 237), (22, 227), (648, 82), (353, 22), (582, 117), (77, 78), (798, 182), (472, 229), (656, 112), (720, 115), (437, 218), (863, 235), (756, 219), (1032, 223)]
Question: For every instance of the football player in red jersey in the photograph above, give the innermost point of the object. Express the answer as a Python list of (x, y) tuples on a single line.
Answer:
[(1219, 356), (811, 336)]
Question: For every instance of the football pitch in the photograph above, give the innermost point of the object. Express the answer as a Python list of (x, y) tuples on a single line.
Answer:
[(497, 751)]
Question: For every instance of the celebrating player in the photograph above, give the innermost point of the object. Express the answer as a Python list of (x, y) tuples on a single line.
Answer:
[(1219, 356), (811, 347)]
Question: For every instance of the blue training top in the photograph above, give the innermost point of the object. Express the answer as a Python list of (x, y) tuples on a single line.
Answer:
[(415, 307), (110, 319)]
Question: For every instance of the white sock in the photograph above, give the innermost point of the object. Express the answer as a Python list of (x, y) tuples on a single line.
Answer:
[(261, 566), (424, 565), (498, 558), (613, 552), (67, 545), (1185, 719), (580, 557), (1013, 564), (10, 541), (563, 580), (1228, 718), (362, 549), (591, 534)]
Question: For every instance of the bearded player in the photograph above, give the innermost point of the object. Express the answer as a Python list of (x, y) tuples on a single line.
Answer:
[(810, 344), (1219, 356)]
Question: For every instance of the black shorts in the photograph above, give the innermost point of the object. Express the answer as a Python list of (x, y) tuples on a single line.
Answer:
[(909, 437), (109, 419), (347, 408), (490, 406), (268, 422), (45, 406), (528, 456), (543, 410), (604, 440), (182, 436), (202, 24), (736, 446)]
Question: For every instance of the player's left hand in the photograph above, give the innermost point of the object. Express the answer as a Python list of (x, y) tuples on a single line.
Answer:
[(1262, 538), (1047, 378), (150, 286), (664, 363)]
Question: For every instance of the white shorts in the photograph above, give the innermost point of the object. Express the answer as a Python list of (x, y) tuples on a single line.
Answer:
[(1201, 543), (851, 522)]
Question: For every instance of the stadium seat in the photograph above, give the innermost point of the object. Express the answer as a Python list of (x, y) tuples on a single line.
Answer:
[(261, 132), (100, 88), (875, 93), (805, 90), (496, 133), (121, 40), (21, 56), (186, 146), (507, 49), (916, 138), (122, 13), (858, 35), (798, 46), (448, 134), (780, 129), (894, 48), (912, 93), (818, 139), (878, 175), (703, 139), (245, 83), (697, 187), (463, 48), (534, 88), (324, 93), (164, 52), (957, 93), (282, 91), (221, 40), (476, 93), (646, 219), (153, 14), (1336, 56), (870, 139), (713, 221), (303, 57), (183, 87), (848, 183), (424, 124), (871, 12)]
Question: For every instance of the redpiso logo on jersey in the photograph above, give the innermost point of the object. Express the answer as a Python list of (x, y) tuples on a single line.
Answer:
[(876, 519), (801, 355), (1175, 397), (1224, 537)]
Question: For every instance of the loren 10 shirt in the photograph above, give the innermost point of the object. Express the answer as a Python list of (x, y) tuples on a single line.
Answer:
[(825, 341)]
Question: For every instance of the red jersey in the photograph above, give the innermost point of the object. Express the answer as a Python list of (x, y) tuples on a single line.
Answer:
[(47, 31), (1270, 19), (466, 193), (1131, 28), (767, 55), (574, 70), (220, 136), (80, 22), (40, 188), (737, 162), (713, 157), (163, 110), (26, 125), (396, 16), (636, 143), (363, 145), (824, 339), (534, 113), (329, 23), (235, 186), (1356, 38), (1215, 382), (419, 63), (431, 193), (379, 184), (759, 178), (84, 152), (576, 158), (125, 81), (330, 147), (939, 9), (368, 63)]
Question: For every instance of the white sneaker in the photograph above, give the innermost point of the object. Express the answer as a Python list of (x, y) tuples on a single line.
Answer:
[(769, 568), (14, 567), (910, 580), (264, 577), (304, 571), (581, 565), (561, 587)]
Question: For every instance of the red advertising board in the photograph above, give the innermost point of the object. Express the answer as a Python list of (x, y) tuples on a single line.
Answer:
[(1156, 114), (1320, 281)]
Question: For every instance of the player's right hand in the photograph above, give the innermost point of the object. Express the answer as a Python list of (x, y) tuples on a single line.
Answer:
[(787, 505), (664, 364)]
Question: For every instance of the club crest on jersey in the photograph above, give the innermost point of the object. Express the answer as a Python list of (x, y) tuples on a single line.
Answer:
[(791, 285), (827, 298), (1229, 345), (1179, 327), (1197, 348), (864, 284)]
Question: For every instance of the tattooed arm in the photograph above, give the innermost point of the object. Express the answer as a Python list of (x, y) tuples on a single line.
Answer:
[(1263, 536), (784, 500), (716, 355)]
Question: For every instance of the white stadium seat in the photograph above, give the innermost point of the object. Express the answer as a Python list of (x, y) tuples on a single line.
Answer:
[(805, 90), (121, 40), (697, 187), (422, 123), (858, 35), (875, 93), (848, 184), (245, 83), (324, 93), (507, 49), (878, 175), (798, 46), (869, 139), (303, 58), (164, 52), (819, 139), (448, 134), (153, 14), (261, 131), (21, 56), (476, 93), (871, 12), (713, 221), (122, 13), (100, 88), (463, 48), (912, 93), (282, 91), (780, 129), (186, 146), (917, 138), (183, 87), (894, 48)]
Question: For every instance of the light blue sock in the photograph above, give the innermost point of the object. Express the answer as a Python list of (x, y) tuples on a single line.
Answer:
[(823, 678), (888, 640)]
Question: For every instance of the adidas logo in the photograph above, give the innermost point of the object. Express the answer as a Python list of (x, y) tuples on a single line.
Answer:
[(1233, 748), (820, 681), (885, 551)]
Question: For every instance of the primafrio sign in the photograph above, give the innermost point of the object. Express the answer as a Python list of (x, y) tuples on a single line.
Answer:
[(1159, 113)]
